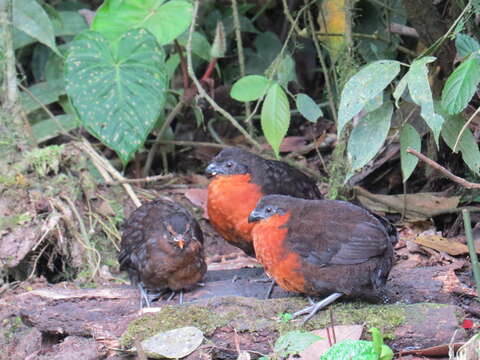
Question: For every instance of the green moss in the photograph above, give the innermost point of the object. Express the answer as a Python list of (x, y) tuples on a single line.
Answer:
[(254, 315), (46, 159)]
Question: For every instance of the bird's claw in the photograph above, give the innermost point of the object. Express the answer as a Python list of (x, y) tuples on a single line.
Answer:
[(315, 307)]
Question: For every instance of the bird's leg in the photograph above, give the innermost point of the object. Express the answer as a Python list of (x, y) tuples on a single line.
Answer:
[(172, 295), (313, 309), (146, 298), (181, 297), (270, 289)]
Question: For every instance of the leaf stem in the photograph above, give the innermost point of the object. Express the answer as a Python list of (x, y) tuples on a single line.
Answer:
[(471, 249)]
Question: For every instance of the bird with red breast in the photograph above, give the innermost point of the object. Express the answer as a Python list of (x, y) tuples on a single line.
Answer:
[(320, 247), (162, 249), (240, 179)]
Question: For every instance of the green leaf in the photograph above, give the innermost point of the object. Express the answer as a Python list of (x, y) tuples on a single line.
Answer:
[(363, 86), (466, 45), (294, 342), (119, 93), (400, 89), (351, 349), (461, 85), (417, 78), (30, 18), (275, 117), (467, 145), (48, 128), (286, 71), (308, 108), (200, 45), (249, 88), (171, 65), (369, 135), (71, 24), (409, 137), (165, 20), (45, 93)]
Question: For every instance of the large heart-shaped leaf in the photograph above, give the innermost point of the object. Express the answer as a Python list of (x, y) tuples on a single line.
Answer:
[(118, 93), (165, 20)]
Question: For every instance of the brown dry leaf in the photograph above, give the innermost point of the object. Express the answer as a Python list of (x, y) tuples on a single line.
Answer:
[(289, 144), (198, 197), (451, 283), (418, 206), (231, 262), (440, 243), (437, 351), (342, 332)]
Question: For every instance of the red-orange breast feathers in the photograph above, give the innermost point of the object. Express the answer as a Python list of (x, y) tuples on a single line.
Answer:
[(240, 180), (320, 247)]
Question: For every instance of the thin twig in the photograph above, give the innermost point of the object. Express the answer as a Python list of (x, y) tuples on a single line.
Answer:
[(191, 143), (289, 17), (464, 128), (101, 162), (47, 111), (241, 57), (201, 90), (444, 171), (140, 180), (471, 249), (324, 66), (168, 121)]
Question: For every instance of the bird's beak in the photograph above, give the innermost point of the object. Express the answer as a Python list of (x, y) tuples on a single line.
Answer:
[(254, 216), (211, 169), (181, 243)]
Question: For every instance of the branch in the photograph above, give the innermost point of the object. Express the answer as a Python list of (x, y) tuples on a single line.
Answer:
[(443, 171), (201, 90)]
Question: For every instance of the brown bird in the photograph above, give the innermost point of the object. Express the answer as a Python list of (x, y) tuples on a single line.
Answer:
[(318, 247), (162, 249), (241, 179)]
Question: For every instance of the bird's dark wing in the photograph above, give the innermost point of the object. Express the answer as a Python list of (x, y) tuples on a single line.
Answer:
[(277, 177), (335, 232)]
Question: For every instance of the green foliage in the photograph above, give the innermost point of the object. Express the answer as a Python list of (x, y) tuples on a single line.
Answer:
[(417, 78), (308, 108), (275, 117), (165, 20), (363, 87), (360, 349), (461, 85), (466, 45), (30, 18), (294, 342), (118, 92), (249, 88), (409, 138), (369, 135), (467, 145)]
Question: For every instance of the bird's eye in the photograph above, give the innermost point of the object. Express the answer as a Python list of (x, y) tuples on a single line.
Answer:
[(268, 210), (229, 164)]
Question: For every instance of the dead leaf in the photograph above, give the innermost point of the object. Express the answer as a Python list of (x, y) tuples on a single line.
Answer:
[(342, 332), (437, 351), (440, 243), (198, 197), (418, 206), (451, 283), (289, 144)]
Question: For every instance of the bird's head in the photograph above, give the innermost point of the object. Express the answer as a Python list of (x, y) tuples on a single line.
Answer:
[(231, 161), (178, 230), (269, 206)]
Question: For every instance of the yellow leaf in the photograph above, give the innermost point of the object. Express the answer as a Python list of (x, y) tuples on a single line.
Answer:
[(332, 19)]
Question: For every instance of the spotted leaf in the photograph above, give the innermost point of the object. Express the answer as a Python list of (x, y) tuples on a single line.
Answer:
[(118, 93)]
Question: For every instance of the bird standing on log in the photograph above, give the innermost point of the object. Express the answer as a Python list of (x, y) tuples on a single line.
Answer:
[(162, 249), (240, 180), (319, 247)]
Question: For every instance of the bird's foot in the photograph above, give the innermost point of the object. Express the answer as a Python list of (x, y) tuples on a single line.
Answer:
[(315, 307), (263, 278), (173, 294), (270, 289), (146, 297)]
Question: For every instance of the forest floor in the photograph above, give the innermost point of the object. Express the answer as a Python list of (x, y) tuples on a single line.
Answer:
[(432, 304)]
